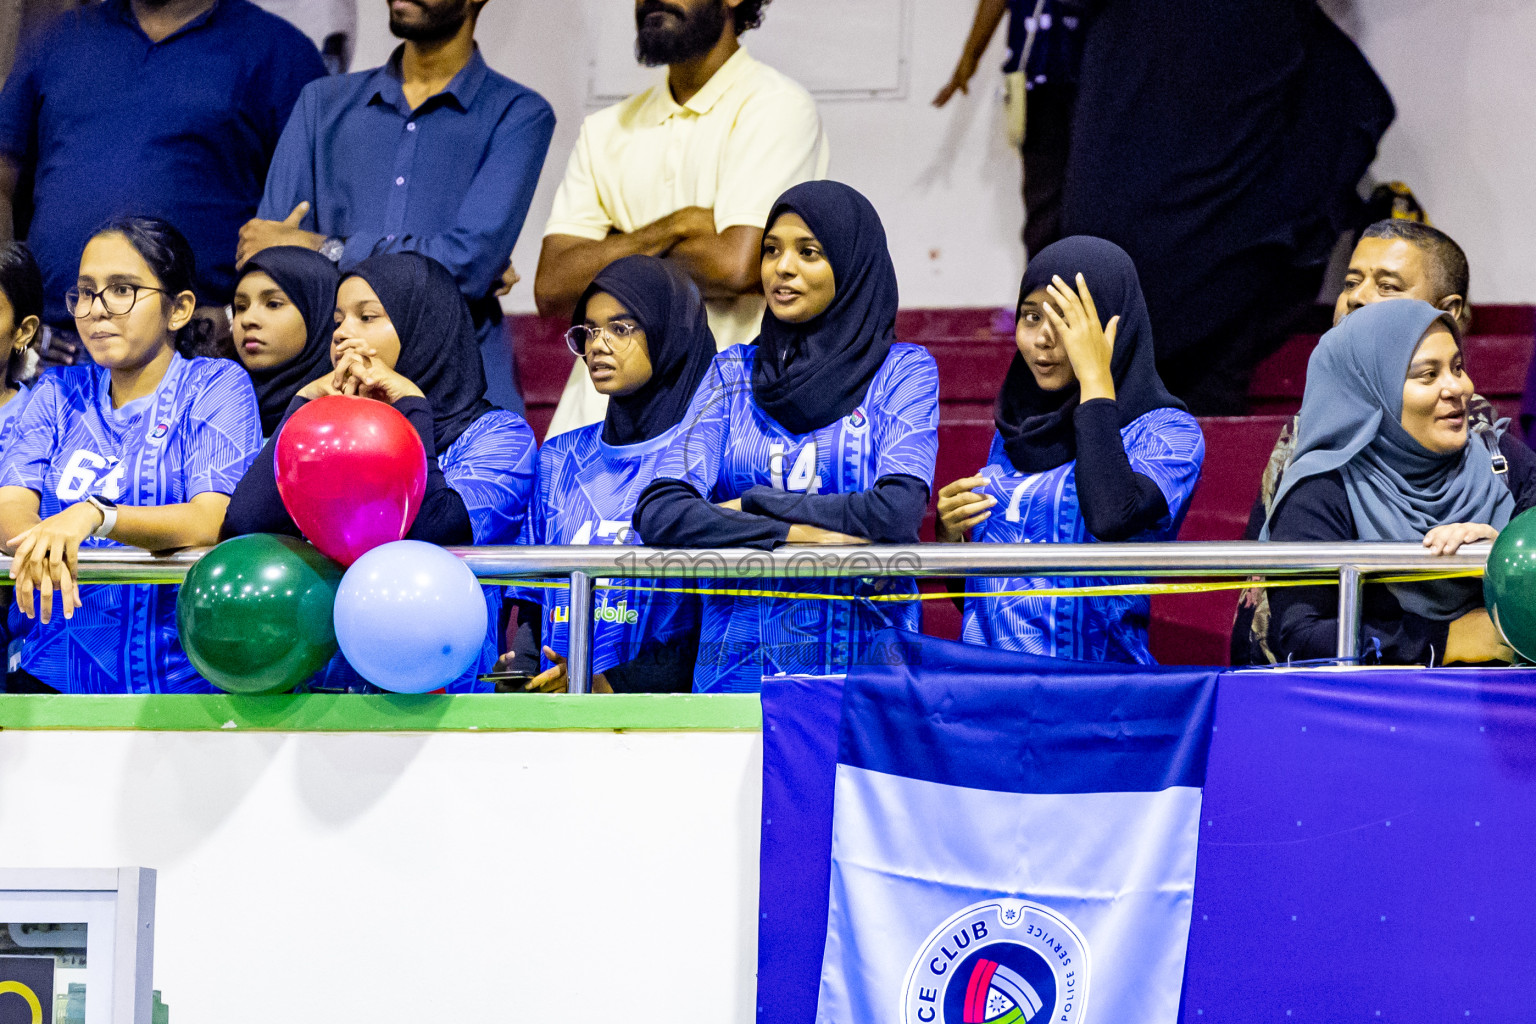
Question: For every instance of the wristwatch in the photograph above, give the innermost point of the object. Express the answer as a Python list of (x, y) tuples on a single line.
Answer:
[(108, 509), (332, 248)]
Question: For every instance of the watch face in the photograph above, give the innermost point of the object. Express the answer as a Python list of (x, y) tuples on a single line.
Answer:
[(104, 501)]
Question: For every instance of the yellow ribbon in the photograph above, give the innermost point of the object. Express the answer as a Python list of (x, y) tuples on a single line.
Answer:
[(1103, 590)]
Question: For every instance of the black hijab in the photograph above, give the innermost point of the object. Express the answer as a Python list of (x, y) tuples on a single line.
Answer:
[(670, 310), (439, 352), (811, 374), (1036, 424), (309, 280)]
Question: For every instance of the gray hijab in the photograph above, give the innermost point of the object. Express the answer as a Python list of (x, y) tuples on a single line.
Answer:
[(1351, 421)]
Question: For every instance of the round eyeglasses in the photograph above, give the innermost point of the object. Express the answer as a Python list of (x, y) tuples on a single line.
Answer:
[(116, 299), (620, 334)]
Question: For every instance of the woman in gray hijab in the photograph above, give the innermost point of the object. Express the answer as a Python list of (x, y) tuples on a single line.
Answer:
[(1383, 453)]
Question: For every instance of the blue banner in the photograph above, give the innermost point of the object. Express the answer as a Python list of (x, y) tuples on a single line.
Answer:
[(1364, 836), (1368, 849), (1013, 850)]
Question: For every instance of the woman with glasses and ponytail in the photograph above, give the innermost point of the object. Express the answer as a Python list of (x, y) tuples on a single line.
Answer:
[(642, 331), (142, 448)]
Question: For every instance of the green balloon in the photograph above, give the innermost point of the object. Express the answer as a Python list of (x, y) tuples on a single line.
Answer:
[(256, 613), (1509, 584)]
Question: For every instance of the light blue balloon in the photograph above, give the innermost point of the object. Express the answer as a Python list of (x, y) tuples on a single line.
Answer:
[(410, 617)]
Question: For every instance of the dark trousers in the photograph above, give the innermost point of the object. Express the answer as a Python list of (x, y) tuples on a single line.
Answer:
[(1213, 374), (1047, 136)]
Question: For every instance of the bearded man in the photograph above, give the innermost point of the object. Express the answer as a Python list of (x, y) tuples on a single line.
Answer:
[(687, 170), (433, 153)]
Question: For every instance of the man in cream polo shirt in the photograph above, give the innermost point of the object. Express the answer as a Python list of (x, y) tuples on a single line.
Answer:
[(686, 170)]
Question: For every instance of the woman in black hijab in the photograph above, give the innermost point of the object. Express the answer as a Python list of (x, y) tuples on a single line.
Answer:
[(1089, 446), (404, 336), (642, 330), (282, 324), (825, 431)]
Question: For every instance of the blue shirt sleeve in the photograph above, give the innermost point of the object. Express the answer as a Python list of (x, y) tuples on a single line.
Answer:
[(26, 462), (226, 431), (535, 530), (19, 101), (490, 218), (291, 63), (1169, 450), (906, 419), (492, 468), (697, 453), (291, 176)]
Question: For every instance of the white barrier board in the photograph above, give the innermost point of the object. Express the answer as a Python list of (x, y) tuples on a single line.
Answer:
[(388, 877)]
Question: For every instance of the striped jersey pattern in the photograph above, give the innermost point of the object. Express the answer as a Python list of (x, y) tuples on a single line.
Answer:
[(727, 445), (1042, 508)]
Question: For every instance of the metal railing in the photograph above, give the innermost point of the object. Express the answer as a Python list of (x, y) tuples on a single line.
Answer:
[(1351, 565)]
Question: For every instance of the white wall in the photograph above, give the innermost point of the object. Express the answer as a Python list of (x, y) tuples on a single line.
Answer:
[(948, 184), (398, 878), (1464, 80)]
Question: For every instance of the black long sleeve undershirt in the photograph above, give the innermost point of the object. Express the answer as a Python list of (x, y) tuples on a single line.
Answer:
[(671, 514), (1303, 622), (1117, 502), (888, 513), (257, 507)]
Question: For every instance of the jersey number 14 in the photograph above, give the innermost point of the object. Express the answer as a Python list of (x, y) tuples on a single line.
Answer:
[(802, 475)]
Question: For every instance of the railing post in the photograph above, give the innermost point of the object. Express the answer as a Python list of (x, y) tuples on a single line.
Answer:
[(1351, 594), (578, 664)]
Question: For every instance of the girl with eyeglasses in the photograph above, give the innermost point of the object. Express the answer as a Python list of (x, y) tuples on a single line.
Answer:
[(642, 331), (141, 449), (403, 335)]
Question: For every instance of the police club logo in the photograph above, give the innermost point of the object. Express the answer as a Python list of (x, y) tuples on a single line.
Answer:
[(1003, 961)]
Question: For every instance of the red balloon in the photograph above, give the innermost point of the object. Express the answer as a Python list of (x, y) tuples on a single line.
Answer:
[(351, 472)]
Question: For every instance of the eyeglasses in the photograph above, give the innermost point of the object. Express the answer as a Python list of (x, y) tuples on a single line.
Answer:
[(620, 334), (116, 299)]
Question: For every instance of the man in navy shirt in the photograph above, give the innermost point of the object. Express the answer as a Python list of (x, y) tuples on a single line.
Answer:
[(164, 107), (433, 152)]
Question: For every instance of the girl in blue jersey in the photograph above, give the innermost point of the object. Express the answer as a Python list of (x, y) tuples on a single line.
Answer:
[(282, 324), (824, 431), (1089, 446), (141, 448), (643, 332), (21, 317), (403, 335)]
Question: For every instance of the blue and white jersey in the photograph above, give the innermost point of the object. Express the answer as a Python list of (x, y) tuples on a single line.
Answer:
[(10, 416), (1164, 445), (586, 494), (491, 466), (728, 445), (196, 434)]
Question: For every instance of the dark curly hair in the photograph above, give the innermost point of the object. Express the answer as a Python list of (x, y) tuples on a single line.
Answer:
[(22, 283), (749, 14)]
